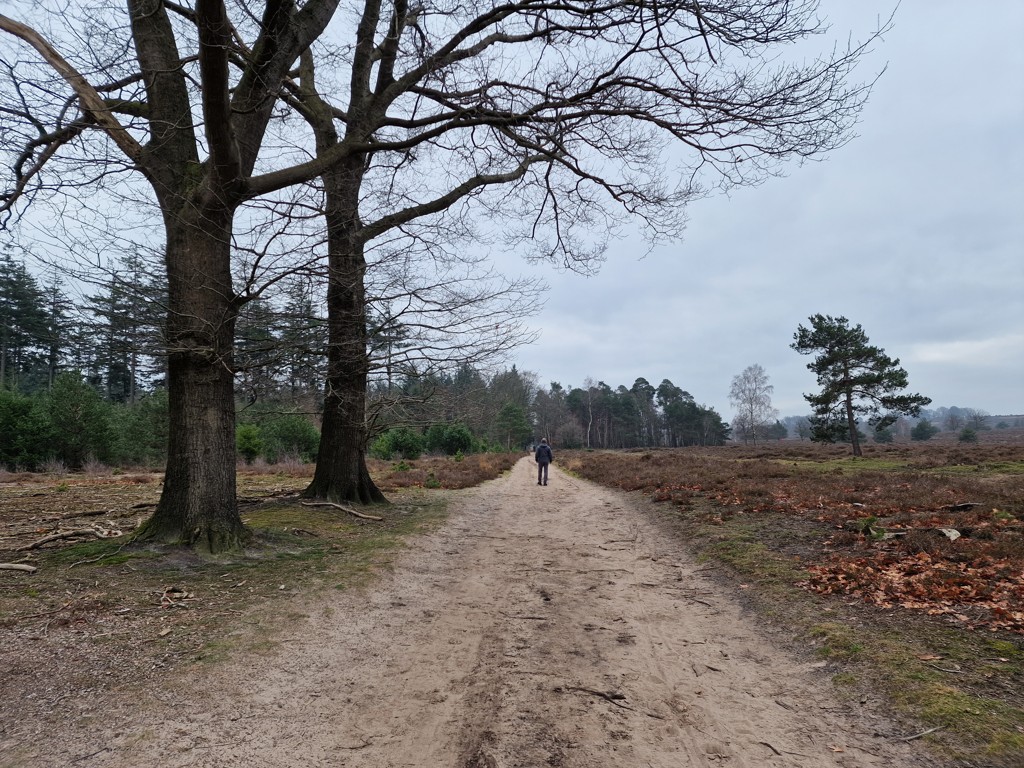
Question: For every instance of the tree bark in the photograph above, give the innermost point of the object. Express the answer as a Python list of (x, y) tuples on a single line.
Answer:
[(851, 422), (198, 199), (341, 474), (198, 505)]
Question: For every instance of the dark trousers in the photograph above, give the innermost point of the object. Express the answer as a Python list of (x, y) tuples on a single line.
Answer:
[(542, 472)]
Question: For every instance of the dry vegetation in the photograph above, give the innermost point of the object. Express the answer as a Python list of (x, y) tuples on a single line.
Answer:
[(885, 519), (854, 558)]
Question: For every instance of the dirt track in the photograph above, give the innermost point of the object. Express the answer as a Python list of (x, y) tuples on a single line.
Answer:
[(539, 627)]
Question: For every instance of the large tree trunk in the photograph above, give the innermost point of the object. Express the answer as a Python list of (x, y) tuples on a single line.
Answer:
[(198, 506), (341, 474)]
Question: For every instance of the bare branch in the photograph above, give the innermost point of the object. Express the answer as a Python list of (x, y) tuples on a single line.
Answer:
[(90, 100)]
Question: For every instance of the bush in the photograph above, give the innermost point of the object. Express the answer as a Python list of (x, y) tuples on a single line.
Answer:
[(449, 439), (923, 430), (968, 435), (289, 434), (80, 419), (248, 442), (401, 442), (140, 431), (883, 436), (26, 432)]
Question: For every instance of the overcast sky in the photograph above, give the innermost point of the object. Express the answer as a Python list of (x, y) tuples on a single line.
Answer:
[(915, 230)]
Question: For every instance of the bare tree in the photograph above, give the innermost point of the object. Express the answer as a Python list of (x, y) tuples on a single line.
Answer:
[(447, 110), (751, 395), (977, 418), (448, 311), (551, 118), (194, 132), (954, 420)]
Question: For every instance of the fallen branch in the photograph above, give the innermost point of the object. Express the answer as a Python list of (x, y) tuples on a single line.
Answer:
[(342, 508), (67, 535), (945, 669), (18, 567), (707, 668), (696, 599), (91, 754)]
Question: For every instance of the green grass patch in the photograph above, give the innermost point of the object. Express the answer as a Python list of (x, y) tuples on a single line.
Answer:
[(971, 724), (986, 468), (838, 641), (98, 553), (743, 548), (850, 464)]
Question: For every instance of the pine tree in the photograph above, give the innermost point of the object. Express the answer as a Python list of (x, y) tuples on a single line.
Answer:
[(23, 327), (855, 378), (121, 351)]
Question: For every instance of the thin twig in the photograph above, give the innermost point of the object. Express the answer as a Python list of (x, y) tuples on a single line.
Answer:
[(43, 613), (944, 669), (612, 697), (97, 559), (922, 733)]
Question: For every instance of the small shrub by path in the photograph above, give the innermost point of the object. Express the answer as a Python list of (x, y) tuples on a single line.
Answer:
[(441, 472), (854, 556)]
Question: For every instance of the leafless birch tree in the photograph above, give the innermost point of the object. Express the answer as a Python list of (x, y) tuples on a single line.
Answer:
[(751, 395)]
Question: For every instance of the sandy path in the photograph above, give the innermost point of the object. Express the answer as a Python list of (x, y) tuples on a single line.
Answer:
[(539, 627)]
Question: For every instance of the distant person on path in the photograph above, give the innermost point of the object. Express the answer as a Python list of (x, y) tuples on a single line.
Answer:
[(543, 457)]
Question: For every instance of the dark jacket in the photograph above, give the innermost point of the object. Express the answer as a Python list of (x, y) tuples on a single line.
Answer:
[(543, 454)]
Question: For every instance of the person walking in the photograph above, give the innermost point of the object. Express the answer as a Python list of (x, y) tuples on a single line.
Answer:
[(544, 457)]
